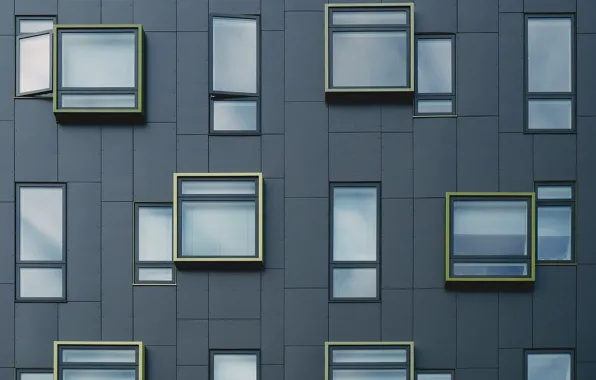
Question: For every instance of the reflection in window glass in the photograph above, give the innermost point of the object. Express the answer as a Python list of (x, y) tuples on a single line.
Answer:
[(490, 269), (435, 106), (230, 115), (369, 374), (156, 274), (549, 55), (98, 59), (34, 63), (554, 232), (434, 376), (36, 376), (98, 101), (370, 59), (99, 356), (354, 224), (554, 192), (354, 282), (98, 374), (234, 55), (155, 233), (549, 114), (370, 356), (40, 283), (35, 26), (434, 66), (40, 224), (218, 187), (234, 367), (369, 18), (549, 366)]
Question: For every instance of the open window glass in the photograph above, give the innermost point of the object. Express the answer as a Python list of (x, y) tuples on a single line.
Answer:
[(34, 63)]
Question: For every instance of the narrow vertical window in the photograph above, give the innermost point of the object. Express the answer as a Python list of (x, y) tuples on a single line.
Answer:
[(355, 258), (41, 240), (550, 364), (555, 222), (153, 244), (550, 77), (34, 55), (435, 89), (233, 365), (234, 79)]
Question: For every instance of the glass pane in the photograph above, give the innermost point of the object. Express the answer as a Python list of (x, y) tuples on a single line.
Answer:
[(156, 274), (218, 229), (155, 233), (219, 187), (369, 374), (35, 26), (490, 228), (98, 101), (234, 55), (370, 59), (370, 356), (37, 376), (41, 223), (555, 192), (99, 356), (229, 115), (434, 66), (369, 18), (434, 376), (490, 269), (98, 374), (355, 224), (354, 282), (98, 59), (34, 63), (549, 367), (435, 106), (549, 54), (549, 114), (554, 233), (234, 367), (40, 282)]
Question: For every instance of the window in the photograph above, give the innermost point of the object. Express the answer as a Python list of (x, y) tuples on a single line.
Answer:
[(153, 244), (355, 228), (369, 47), (434, 375), (234, 80), (550, 365), (99, 71), (99, 360), (550, 83), (34, 52), (369, 361), (35, 374), (435, 70), (218, 218), (490, 237), (233, 365), (41, 242), (555, 222)]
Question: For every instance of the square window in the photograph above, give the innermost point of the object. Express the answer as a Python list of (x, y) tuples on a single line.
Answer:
[(369, 48), (218, 218), (233, 365), (490, 237), (369, 360), (435, 75), (555, 206), (550, 364)]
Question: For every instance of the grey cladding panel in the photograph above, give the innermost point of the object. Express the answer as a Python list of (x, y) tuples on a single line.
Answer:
[(296, 356), (436, 16), (234, 295), (511, 364), (117, 11), (244, 333), (274, 223), (549, 6), (234, 154), (192, 154), (192, 79), (7, 329), (155, 306), (7, 243), (354, 322), (79, 12), (397, 320), (511, 72), (192, 295), (192, 15), (307, 314), (272, 78), (515, 320), (78, 321), (397, 165), (79, 154), (272, 317), (116, 164), (515, 162), (478, 154), (354, 118), (586, 60), (586, 309), (429, 243), (6, 20), (478, 16), (235, 6), (273, 156), (36, 329), (36, 7), (354, 157), (192, 342), (7, 161), (586, 12), (156, 15), (397, 258), (554, 157), (7, 76), (272, 14), (161, 73), (477, 330), (161, 362)]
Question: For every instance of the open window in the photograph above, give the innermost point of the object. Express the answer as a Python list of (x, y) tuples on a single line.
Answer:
[(34, 56)]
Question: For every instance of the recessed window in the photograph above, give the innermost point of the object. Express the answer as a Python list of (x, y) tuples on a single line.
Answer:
[(435, 70), (550, 82), (355, 261), (434, 375), (490, 237), (35, 374), (34, 55), (369, 361), (99, 360), (234, 62), (555, 222), (99, 70), (369, 48), (218, 217), (549, 365), (41, 241), (233, 365), (153, 244)]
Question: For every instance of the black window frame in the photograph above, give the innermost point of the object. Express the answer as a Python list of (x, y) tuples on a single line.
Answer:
[(138, 264), (436, 96), (26, 371), (330, 366), (214, 352), (19, 264), (435, 372), (545, 203), (572, 95), (215, 96), (376, 264), (538, 351)]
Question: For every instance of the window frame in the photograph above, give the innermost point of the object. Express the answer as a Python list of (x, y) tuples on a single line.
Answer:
[(572, 95), (376, 264), (330, 346), (215, 96), (450, 372), (137, 263), (181, 260), (529, 260), (539, 351), (558, 202), (368, 7), (437, 96), (26, 371), (59, 366), (62, 264), (213, 352)]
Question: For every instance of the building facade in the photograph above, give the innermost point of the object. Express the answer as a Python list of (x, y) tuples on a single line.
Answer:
[(354, 182)]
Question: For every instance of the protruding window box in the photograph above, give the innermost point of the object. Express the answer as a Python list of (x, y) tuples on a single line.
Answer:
[(98, 74)]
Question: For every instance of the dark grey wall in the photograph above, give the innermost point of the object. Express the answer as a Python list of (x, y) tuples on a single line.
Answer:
[(284, 309)]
